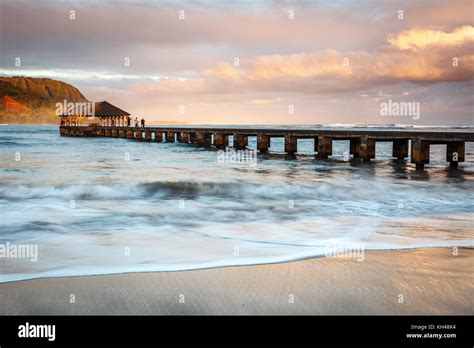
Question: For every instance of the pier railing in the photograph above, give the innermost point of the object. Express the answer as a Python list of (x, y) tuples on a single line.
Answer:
[(362, 141)]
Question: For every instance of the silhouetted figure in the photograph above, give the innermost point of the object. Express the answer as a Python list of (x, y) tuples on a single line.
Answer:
[(129, 121), (143, 123), (136, 122)]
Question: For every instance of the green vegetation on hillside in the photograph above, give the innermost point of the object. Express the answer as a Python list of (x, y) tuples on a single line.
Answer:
[(25, 100)]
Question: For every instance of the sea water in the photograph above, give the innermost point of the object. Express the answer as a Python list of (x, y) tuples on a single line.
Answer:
[(108, 205)]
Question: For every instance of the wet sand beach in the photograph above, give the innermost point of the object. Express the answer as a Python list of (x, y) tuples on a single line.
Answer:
[(415, 281)]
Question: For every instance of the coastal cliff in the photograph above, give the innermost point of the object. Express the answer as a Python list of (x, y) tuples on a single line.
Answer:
[(27, 100)]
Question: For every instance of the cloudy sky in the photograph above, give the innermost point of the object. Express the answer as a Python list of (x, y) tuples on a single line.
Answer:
[(252, 62)]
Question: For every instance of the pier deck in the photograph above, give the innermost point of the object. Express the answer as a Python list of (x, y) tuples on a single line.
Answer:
[(362, 140)]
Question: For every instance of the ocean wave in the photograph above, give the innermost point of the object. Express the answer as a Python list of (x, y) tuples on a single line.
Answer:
[(190, 189), (356, 192)]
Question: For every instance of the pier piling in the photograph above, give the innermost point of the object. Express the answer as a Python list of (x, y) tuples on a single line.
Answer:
[(159, 136), (291, 145), (240, 141), (420, 153), (170, 137), (324, 147), (455, 153), (354, 145), (203, 139), (220, 140), (263, 142), (184, 137), (400, 148), (366, 148)]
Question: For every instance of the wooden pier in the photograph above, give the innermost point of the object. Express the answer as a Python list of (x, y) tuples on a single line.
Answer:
[(362, 141)]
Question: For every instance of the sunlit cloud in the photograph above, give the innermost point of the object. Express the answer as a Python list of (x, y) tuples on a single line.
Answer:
[(331, 71), (421, 38)]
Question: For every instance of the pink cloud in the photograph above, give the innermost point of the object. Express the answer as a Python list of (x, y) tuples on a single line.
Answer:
[(418, 56)]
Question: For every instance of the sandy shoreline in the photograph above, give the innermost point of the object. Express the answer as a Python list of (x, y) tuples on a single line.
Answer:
[(431, 281)]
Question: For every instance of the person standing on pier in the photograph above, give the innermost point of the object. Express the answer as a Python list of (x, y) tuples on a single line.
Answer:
[(136, 122), (143, 122), (129, 121)]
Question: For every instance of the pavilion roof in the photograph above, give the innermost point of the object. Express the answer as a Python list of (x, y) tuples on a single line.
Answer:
[(105, 109)]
